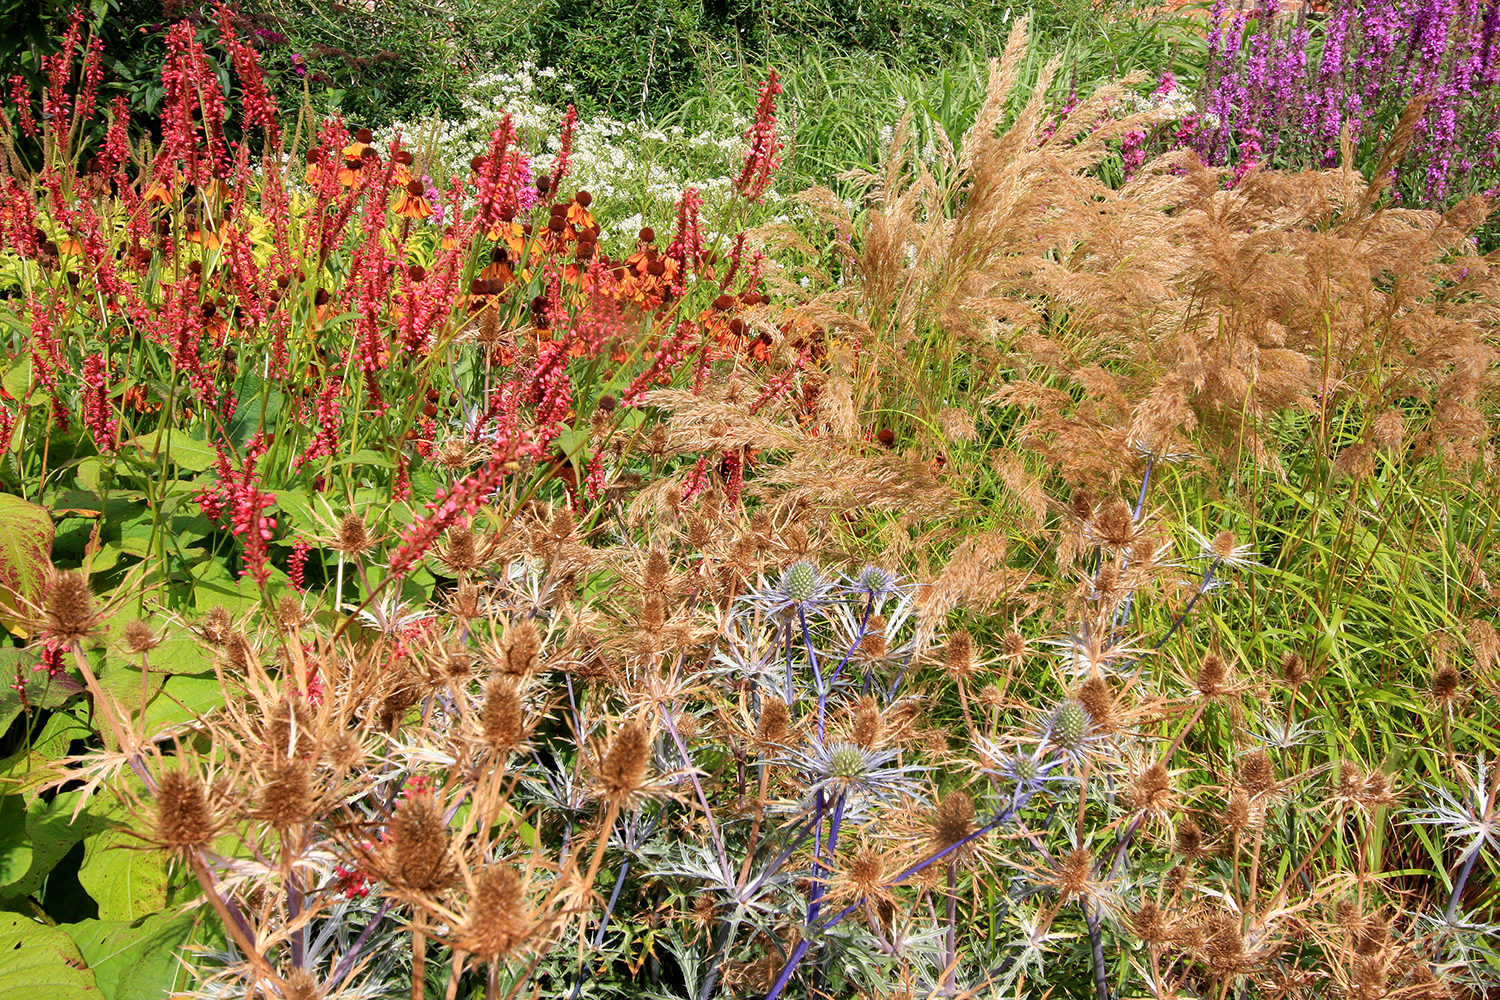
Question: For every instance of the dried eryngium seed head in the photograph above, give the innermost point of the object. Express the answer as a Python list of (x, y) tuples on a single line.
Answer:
[(1239, 814), (958, 661), (354, 537), (952, 821), (497, 921), (1212, 675), (140, 638), (1293, 669), (301, 985), (866, 726), (1257, 774), (1073, 870), (522, 643), (1113, 526), (183, 817), (286, 800), (459, 550), (464, 601), (775, 721), (655, 578), (1190, 840), (1444, 687), (1150, 924), (68, 608), (1152, 789), (504, 720), (874, 645), (417, 845), (216, 626), (1013, 646), (1096, 696), (622, 774), (289, 612)]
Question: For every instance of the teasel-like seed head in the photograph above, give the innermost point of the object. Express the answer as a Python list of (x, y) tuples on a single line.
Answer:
[(713, 500), (705, 911), (1377, 792), (504, 718), (622, 773), (464, 601), (992, 696), (184, 819), (563, 526), (300, 984), (1213, 674), (238, 652), (1370, 976), (1072, 874), (866, 726), (654, 581), (1113, 526), (290, 713), (958, 660), (459, 551), (498, 922), (797, 540), (1373, 935), (1239, 813), (653, 614), (417, 855), (1081, 505), (874, 645), (216, 626), (1444, 685), (698, 532), (1257, 773), (1013, 647), (141, 638), (1108, 585), (522, 644), (1293, 669), (1152, 789), (775, 722), (343, 751), (68, 609), (1223, 946), (1190, 842), (289, 613), (353, 539), (952, 821), (286, 799), (1096, 696), (1150, 924)]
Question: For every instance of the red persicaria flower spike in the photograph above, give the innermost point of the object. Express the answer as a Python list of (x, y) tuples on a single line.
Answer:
[(561, 167), (98, 415), (20, 98), (259, 105), (296, 565), (763, 157), (687, 242)]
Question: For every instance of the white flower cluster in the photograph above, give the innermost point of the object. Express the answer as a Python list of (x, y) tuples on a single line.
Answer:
[(625, 164)]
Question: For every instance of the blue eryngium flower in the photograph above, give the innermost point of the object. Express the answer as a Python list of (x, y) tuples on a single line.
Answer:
[(841, 768), (801, 587)]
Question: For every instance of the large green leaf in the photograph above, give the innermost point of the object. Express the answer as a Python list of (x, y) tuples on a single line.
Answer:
[(189, 453), (53, 831), (30, 767), (25, 558), (184, 698), (38, 962), (127, 881), (15, 845), (135, 960)]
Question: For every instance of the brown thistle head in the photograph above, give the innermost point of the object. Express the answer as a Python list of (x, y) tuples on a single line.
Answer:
[(286, 800), (1293, 670), (1152, 790), (1073, 871), (68, 613), (958, 659), (1257, 774), (504, 720), (1213, 676), (141, 638), (622, 773), (353, 538), (498, 919), (1190, 843), (866, 726), (522, 646), (952, 821), (1444, 686), (1150, 924), (775, 722), (416, 849), (1099, 699), (184, 819)]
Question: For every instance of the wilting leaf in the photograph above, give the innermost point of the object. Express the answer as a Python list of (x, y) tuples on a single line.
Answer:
[(25, 558)]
